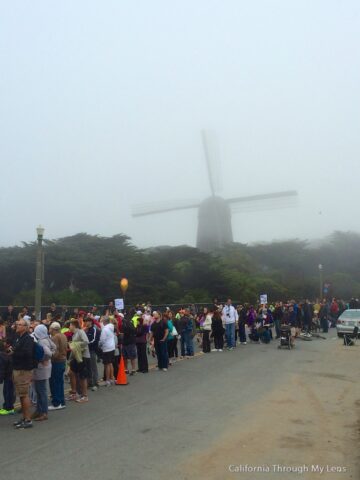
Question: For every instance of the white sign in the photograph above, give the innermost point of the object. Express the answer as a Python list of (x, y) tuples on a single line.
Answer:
[(263, 299), (119, 304)]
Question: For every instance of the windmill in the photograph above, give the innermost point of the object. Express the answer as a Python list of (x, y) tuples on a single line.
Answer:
[(215, 212)]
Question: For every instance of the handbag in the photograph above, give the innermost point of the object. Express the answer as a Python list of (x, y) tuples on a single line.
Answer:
[(174, 332)]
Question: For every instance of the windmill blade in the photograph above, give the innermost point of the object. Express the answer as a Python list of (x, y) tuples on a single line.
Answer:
[(212, 158), (141, 210), (269, 201), (266, 196)]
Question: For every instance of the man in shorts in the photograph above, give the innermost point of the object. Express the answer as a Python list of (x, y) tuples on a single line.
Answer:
[(79, 363), (129, 345), (23, 364)]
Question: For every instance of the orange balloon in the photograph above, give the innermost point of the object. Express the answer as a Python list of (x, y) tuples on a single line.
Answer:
[(124, 283)]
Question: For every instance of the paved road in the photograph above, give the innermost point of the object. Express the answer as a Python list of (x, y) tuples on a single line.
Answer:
[(256, 405)]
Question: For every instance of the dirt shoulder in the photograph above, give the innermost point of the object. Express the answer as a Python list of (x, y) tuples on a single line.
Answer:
[(309, 423)]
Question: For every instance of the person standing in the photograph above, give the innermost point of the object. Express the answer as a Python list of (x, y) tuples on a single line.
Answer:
[(217, 330), (23, 365), (58, 361), (324, 315), (42, 373), (206, 330), (107, 346), (79, 363), (6, 374), (307, 316), (278, 318), (128, 350), (230, 317), (242, 314), (186, 329), (9, 315), (141, 343), (159, 332), (93, 334), (171, 338)]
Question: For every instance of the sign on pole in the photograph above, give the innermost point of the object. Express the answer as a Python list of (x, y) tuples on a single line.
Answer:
[(263, 299), (119, 303)]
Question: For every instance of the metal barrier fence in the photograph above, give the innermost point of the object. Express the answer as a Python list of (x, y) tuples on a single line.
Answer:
[(161, 307)]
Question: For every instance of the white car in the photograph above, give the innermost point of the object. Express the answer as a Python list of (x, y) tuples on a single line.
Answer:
[(347, 321)]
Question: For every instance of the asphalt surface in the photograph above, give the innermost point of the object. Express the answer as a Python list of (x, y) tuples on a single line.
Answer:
[(161, 424)]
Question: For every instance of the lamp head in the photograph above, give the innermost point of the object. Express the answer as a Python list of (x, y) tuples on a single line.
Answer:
[(40, 231)]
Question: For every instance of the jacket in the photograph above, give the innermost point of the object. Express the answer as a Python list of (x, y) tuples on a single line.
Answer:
[(43, 370), (107, 340), (23, 354), (61, 348), (141, 332), (80, 344), (5, 367), (93, 334), (207, 323)]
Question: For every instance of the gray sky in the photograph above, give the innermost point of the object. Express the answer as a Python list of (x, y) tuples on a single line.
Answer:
[(102, 105)]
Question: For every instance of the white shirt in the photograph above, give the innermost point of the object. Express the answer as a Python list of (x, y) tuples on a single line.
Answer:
[(229, 314)]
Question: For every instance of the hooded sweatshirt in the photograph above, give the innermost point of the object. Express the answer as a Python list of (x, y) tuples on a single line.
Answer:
[(107, 339), (43, 370)]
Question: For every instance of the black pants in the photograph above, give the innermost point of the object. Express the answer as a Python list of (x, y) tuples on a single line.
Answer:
[(206, 341), (176, 352), (218, 341), (171, 345), (143, 365), (115, 363), (242, 333)]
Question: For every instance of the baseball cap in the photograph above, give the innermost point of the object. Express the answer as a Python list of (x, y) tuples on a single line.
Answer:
[(55, 326)]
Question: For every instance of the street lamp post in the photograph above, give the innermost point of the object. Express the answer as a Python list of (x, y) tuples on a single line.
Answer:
[(321, 281), (39, 271)]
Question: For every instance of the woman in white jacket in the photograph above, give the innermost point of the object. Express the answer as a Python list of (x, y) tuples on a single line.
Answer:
[(107, 346), (206, 329)]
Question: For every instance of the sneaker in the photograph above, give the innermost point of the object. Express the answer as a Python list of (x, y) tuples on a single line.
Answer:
[(164, 369), (3, 411), (94, 388), (19, 422), (220, 350), (214, 350), (243, 343), (51, 408), (230, 349), (72, 397), (25, 424), (103, 383), (82, 399)]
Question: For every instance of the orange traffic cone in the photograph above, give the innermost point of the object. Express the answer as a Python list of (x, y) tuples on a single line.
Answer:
[(121, 376)]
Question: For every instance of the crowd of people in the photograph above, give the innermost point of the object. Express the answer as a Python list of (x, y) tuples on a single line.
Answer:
[(39, 355)]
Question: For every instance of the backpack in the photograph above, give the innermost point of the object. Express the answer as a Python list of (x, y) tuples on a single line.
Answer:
[(38, 354)]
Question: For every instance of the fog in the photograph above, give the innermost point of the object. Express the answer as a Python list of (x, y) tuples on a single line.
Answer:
[(103, 104)]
